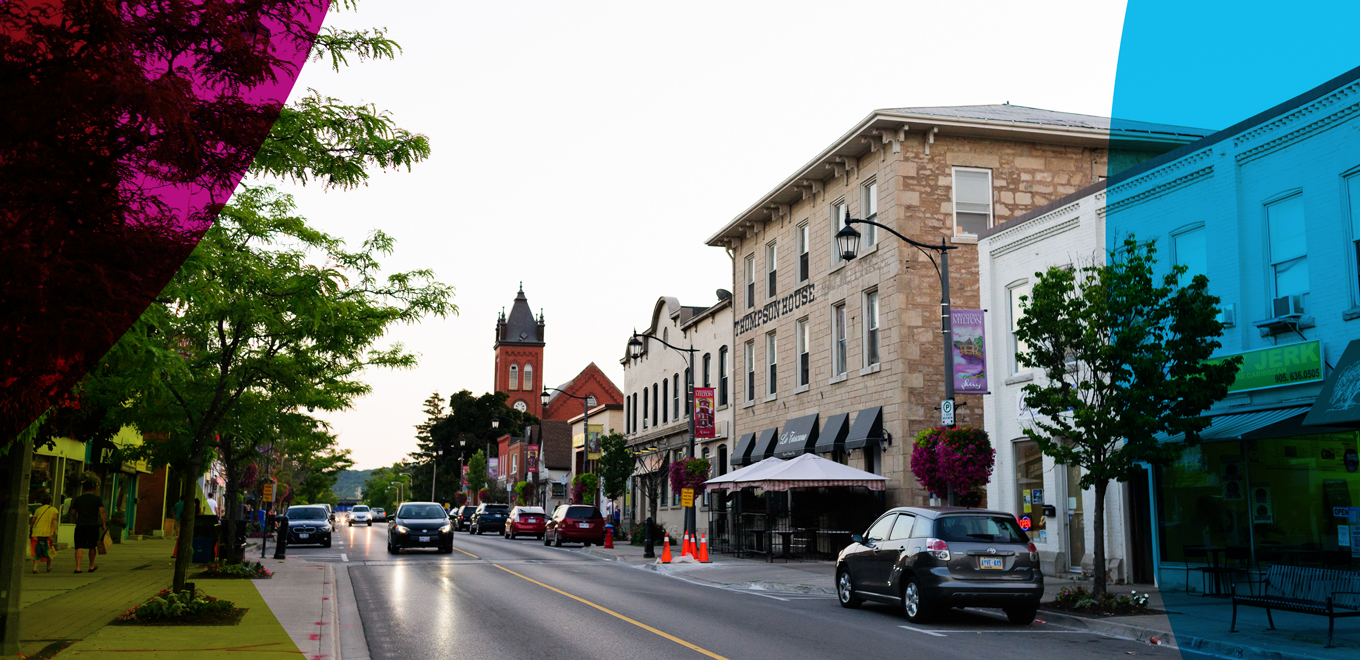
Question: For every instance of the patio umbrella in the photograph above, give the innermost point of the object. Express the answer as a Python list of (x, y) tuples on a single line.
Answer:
[(753, 471), (806, 471)]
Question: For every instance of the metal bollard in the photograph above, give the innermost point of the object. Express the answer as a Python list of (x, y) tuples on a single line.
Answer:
[(281, 543), (649, 549)]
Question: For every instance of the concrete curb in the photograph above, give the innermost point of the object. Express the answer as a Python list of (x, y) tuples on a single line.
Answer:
[(1217, 647)]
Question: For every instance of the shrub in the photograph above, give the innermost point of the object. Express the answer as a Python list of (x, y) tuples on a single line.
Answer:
[(1081, 599), (170, 605), (959, 458), (243, 570)]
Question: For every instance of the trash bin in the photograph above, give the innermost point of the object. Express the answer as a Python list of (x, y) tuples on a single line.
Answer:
[(205, 539), (204, 550)]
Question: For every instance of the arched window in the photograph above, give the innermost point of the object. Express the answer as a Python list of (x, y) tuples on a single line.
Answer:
[(665, 394), (528, 376), (514, 376)]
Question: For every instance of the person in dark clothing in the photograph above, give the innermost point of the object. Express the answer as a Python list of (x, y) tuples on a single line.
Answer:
[(88, 510)]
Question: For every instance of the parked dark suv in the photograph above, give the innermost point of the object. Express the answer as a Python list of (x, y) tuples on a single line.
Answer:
[(420, 525), (575, 523), (929, 558), (462, 516), (308, 523), (488, 517)]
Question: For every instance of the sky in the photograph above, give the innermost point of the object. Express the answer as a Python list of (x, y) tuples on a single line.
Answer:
[(587, 149)]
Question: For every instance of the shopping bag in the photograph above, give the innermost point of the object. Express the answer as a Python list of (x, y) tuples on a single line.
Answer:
[(104, 542)]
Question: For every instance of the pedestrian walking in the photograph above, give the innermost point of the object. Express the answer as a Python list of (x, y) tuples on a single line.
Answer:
[(42, 533), (88, 509)]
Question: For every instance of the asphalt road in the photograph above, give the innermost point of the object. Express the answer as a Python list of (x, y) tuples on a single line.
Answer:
[(496, 598)]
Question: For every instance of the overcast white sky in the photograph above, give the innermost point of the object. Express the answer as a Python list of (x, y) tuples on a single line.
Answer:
[(589, 148)]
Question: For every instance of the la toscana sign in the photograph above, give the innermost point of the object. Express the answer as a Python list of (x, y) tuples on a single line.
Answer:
[(1277, 366), (803, 296)]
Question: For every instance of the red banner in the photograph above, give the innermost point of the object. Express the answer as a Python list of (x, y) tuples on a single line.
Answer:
[(531, 460), (704, 424), (465, 476)]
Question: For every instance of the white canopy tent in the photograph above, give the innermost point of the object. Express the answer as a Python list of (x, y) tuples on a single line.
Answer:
[(804, 471), (754, 470)]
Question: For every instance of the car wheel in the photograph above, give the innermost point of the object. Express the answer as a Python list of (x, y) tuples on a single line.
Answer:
[(557, 541), (512, 535), (585, 544), (370, 524), (845, 591), (1022, 615), (540, 537), (446, 550), (546, 541), (391, 549), (914, 603), (327, 544)]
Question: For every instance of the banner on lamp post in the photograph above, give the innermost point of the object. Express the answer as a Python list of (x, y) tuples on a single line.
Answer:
[(593, 434), (493, 467), (704, 424), (970, 350), (531, 460), (465, 476)]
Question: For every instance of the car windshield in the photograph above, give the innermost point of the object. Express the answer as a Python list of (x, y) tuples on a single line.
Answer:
[(980, 529), (583, 512), (361, 509), (496, 510), (306, 513), (421, 511), (469, 510)]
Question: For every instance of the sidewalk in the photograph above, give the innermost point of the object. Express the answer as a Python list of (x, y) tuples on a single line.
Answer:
[(1190, 622), (68, 615)]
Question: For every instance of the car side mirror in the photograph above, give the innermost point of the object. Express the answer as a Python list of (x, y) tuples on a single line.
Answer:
[(856, 538)]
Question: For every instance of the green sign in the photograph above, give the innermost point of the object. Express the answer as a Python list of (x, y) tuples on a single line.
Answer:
[(1277, 366)]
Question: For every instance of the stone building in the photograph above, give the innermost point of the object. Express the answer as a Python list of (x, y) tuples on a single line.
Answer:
[(656, 408), (852, 350)]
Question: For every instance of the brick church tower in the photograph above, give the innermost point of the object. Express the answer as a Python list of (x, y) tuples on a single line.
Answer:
[(519, 356)]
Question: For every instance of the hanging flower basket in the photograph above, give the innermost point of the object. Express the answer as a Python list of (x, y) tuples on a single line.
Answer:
[(953, 459), (690, 473)]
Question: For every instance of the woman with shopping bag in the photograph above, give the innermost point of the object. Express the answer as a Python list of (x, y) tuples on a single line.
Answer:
[(88, 509), (42, 533)]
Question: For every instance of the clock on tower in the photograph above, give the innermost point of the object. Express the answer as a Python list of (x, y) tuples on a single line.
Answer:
[(519, 356), (521, 406)]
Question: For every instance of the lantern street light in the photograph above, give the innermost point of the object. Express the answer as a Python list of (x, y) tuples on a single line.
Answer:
[(847, 243), (635, 351)]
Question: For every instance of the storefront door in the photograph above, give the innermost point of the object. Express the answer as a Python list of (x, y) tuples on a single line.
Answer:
[(1076, 520)]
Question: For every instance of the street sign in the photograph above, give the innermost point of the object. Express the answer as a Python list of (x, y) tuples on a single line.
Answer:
[(686, 497), (268, 491), (947, 412)]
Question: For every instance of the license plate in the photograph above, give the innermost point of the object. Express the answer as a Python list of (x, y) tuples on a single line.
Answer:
[(584, 524), (992, 563), (424, 539), (303, 536)]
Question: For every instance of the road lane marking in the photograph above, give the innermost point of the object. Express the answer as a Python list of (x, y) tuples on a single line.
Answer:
[(612, 613), (344, 557), (467, 553), (928, 632)]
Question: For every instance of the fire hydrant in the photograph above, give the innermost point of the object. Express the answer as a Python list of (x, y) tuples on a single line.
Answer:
[(609, 536)]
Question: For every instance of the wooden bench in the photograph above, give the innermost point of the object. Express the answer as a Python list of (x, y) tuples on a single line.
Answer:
[(1321, 591)]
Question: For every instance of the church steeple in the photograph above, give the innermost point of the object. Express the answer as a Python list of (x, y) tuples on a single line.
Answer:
[(519, 355)]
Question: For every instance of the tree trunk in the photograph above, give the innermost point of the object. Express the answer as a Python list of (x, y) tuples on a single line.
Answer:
[(185, 544), (1098, 570), (232, 505), (14, 470)]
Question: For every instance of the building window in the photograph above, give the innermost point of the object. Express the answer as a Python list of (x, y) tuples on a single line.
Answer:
[(722, 376), (838, 340), (972, 200), (750, 371), (628, 415), (704, 455), (708, 363), (1353, 190), (528, 376), (646, 403), (750, 281), (1017, 347), (514, 376), (675, 494), (675, 399), (1029, 487), (665, 396), (838, 216), (656, 403), (635, 412), (1189, 250), (1288, 246), (870, 328), (771, 366), (771, 270), (803, 252), (801, 333), (869, 208)]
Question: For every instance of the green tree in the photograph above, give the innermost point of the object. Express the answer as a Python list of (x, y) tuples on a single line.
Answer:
[(387, 487), (477, 467), (1123, 357), (616, 464)]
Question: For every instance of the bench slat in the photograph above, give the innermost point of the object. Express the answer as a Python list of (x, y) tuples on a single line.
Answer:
[(1313, 585)]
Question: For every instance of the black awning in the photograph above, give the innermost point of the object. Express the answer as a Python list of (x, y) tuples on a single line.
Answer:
[(867, 429), (833, 434), (799, 437), (1339, 402), (764, 445), (742, 455)]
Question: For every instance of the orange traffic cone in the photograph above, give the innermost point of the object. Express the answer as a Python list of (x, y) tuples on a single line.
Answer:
[(703, 549), (609, 537), (666, 551), (689, 546)]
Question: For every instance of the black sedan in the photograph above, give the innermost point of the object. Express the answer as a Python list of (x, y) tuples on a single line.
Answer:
[(489, 517), (420, 525), (309, 524), (925, 559)]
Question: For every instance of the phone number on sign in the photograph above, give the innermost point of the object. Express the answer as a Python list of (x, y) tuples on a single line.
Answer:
[(1292, 376)]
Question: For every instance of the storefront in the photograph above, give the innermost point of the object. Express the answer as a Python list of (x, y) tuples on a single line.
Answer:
[(1266, 486)]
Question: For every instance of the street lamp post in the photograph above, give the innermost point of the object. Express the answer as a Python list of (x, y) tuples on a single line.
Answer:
[(635, 348), (847, 243), (587, 402)]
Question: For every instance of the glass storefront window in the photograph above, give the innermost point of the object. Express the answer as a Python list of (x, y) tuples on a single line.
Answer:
[(70, 487), (1029, 489), (1270, 501)]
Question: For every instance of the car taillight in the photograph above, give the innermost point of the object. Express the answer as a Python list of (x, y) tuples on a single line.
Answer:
[(1033, 552), (938, 549)]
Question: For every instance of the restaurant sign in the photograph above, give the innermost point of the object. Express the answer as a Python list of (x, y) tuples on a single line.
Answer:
[(1277, 366), (805, 295)]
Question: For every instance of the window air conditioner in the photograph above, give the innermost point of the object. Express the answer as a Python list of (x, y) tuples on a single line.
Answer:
[(721, 430), (1288, 306), (1227, 315)]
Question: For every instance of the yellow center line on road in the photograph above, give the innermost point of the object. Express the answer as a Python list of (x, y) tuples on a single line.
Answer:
[(612, 613), (467, 553)]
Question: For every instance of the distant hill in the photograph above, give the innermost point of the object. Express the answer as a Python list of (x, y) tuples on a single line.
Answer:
[(349, 483)]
